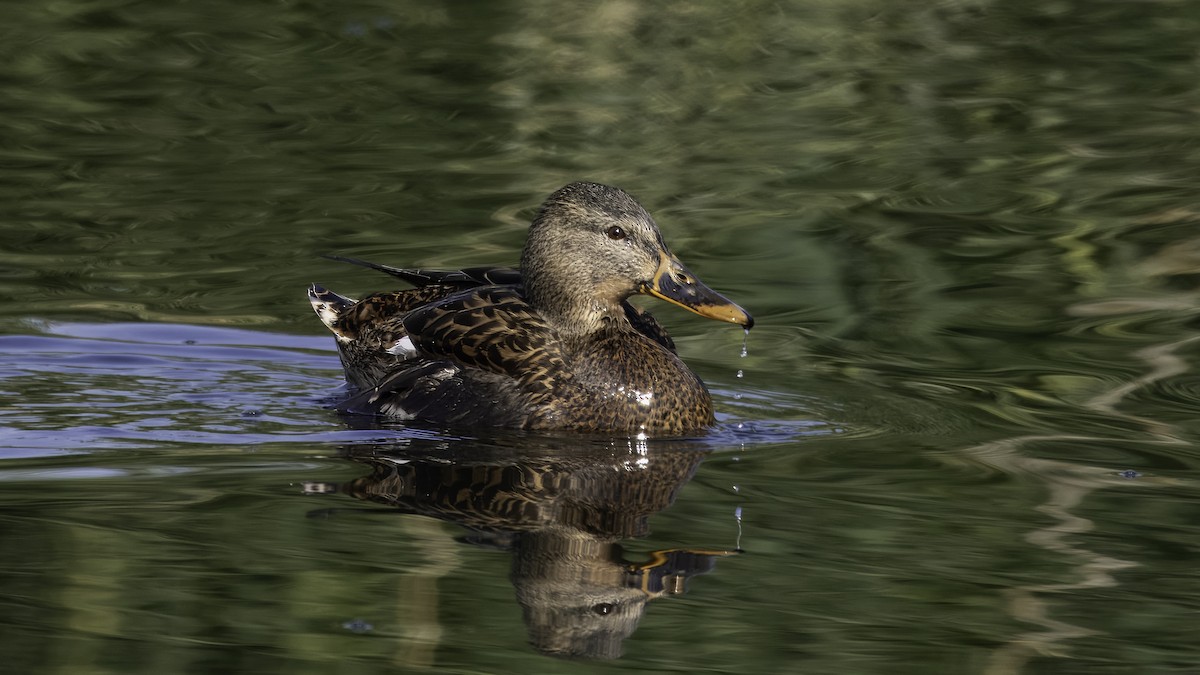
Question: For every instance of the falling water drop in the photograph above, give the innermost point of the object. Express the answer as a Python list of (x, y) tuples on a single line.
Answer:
[(737, 515), (740, 373), (358, 626)]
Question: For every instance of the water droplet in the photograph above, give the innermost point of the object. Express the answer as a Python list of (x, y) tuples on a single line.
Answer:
[(358, 626), (741, 374), (745, 339), (737, 513), (736, 488)]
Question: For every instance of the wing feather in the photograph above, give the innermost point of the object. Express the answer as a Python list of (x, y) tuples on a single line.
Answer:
[(491, 328)]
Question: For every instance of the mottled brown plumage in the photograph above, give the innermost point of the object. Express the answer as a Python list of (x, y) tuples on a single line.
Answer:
[(554, 346)]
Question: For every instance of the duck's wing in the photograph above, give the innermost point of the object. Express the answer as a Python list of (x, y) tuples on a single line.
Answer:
[(441, 391), (468, 277), (490, 328), (481, 356)]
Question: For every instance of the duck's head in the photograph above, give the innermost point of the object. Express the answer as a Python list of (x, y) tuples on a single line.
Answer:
[(591, 246)]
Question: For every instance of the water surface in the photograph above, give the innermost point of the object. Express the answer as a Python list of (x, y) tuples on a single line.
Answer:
[(962, 441)]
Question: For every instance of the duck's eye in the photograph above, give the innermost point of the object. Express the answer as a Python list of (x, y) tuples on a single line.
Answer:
[(602, 608), (616, 232)]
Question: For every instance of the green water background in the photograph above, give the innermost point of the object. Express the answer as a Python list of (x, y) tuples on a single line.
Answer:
[(967, 231)]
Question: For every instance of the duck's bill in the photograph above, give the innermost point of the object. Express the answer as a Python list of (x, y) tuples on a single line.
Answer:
[(675, 284)]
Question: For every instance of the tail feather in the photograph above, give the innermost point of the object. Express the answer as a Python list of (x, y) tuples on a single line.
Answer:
[(464, 278), (329, 307)]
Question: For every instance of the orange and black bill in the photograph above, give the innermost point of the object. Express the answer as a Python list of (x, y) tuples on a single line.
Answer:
[(675, 284)]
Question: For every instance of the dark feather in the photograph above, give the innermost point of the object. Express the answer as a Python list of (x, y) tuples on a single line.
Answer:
[(464, 278)]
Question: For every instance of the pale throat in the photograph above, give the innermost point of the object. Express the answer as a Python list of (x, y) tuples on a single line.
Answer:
[(586, 315), (580, 306)]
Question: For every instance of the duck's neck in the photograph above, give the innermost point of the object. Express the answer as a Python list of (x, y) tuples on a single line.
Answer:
[(570, 313), (566, 291)]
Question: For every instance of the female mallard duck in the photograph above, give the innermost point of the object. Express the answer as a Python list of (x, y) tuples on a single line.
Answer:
[(554, 346)]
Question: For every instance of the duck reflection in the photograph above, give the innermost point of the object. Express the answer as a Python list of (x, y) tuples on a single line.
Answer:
[(561, 513)]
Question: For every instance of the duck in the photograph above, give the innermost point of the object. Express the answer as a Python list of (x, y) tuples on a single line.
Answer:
[(554, 345)]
